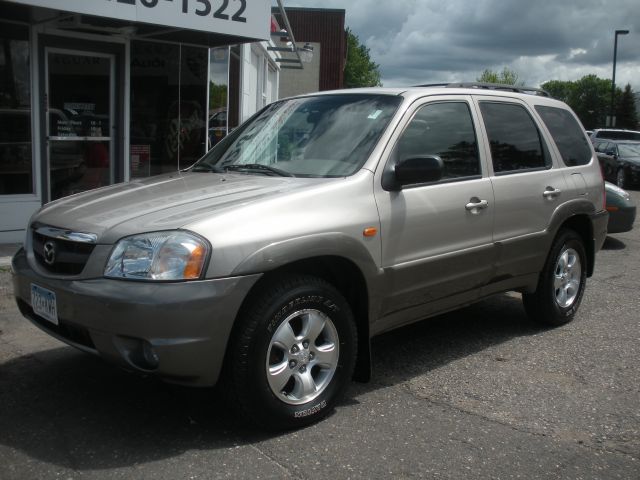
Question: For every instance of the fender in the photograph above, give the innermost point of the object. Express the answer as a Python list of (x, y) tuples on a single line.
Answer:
[(335, 244)]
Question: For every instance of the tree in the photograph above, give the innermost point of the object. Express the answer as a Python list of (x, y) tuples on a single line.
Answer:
[(589, 97), (559, 89), (626, 114), (360, 70), (506, 77)]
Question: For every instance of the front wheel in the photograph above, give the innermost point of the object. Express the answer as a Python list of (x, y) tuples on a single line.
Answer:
[(292, 354), (561, 284)]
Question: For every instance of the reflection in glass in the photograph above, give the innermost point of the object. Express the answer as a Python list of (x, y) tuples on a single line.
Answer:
[(16, 169), (192, 138), (219, 77), (79, 122), (168, 107)]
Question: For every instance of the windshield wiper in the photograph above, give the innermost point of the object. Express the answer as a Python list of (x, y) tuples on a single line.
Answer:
[(258, 168), (206, 168)]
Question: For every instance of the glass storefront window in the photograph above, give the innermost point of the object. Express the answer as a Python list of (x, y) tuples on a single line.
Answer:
[(218, 85), (79, 111), (168, 107), (16, 166), (192, 137)]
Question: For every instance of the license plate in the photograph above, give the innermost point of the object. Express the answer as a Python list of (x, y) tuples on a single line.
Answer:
[(43, 302)]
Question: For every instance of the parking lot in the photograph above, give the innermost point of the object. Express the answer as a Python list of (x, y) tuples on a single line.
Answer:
[(477, 393)]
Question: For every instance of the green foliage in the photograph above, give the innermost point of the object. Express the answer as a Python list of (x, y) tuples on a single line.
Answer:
[(627, 116), (506, 77), (360, 70), (589, 97), (558, 89), (217, 96)]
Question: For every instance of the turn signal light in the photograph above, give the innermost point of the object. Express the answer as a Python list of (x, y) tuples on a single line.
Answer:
[(370, 232), (194, 265)]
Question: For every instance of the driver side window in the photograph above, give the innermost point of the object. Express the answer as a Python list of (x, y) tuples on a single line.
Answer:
[(444, 130)]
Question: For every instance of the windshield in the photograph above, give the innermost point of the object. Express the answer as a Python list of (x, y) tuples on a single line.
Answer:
[(629, 150), (323, 136)]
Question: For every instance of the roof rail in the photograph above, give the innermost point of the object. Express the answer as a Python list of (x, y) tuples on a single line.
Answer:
[(491, 86)]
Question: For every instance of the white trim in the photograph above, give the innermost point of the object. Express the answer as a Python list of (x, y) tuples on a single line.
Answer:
[(112, 108), (126, 128), (207, 100)]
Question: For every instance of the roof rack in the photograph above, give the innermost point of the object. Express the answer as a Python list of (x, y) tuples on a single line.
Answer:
[(491, 86)]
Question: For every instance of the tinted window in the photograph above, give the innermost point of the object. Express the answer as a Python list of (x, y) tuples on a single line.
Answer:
[(618, 134), (444, 130), (566, 132), (513, 136)]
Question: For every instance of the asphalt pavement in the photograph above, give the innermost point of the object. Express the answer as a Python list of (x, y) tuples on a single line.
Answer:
[(477, 393)]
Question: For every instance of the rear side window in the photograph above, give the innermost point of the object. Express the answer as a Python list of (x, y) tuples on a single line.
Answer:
[(444, 130), (514, 138), (566, 132)]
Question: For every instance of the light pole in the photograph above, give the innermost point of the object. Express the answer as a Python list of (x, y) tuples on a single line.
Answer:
[(613, 80)]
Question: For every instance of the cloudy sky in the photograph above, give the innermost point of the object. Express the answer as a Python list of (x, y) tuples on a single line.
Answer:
[(430, 41)]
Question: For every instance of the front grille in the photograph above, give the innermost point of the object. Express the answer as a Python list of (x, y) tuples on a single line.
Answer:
[(66, 330), (69, 257)]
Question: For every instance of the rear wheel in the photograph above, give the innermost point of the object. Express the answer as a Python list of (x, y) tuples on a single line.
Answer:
[(562, 282), (293, 353)]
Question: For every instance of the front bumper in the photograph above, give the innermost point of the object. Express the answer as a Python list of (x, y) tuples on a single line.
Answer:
[(186, 324)]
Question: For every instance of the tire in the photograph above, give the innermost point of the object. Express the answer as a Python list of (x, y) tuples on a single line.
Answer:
[(621, 178), (562, 282), (292, 353)]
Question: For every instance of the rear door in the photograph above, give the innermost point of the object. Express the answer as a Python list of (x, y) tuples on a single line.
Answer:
[(528, 184)]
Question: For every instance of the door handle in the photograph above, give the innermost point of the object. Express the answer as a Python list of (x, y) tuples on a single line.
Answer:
[(475, 205), (551, 192)]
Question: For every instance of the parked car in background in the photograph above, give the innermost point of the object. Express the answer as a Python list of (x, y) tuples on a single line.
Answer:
[(614, 134), (620, 161), (621, 208)]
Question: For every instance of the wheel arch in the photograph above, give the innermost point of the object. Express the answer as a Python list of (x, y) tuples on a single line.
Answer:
[(348, 278), (583, 227)]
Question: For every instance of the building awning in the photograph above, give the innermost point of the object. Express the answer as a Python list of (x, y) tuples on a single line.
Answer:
[(202, 22)]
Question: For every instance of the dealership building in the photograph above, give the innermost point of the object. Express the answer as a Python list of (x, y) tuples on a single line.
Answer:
[(94, 92)]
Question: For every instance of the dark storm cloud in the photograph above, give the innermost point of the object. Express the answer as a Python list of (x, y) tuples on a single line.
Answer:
[(434, 40)]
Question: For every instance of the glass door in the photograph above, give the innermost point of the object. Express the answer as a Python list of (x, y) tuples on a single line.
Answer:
[(80, 116)]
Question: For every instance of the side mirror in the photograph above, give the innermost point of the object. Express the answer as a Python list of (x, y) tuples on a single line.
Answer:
[(413, 170)]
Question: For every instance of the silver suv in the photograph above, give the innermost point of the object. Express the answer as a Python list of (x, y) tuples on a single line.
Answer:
[(322, 221)]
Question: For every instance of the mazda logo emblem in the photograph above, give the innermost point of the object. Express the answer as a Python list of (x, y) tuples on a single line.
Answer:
[(49, 251)]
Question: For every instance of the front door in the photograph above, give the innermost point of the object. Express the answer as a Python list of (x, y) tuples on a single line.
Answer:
[(79, 121), (437, 247)]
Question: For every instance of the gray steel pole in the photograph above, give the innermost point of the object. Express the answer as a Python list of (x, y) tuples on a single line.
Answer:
[(613, 78)]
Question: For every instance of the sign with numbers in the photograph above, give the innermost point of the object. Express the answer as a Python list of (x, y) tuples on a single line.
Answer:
[(245, 18)]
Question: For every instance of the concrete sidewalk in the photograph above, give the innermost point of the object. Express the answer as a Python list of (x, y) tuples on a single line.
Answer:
[(6, 252)]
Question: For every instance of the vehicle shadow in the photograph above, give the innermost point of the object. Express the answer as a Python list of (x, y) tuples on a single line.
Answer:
[(612, 243), (70, 409)]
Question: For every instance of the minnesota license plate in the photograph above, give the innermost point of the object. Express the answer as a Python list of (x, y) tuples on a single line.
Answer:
[(43, 302)]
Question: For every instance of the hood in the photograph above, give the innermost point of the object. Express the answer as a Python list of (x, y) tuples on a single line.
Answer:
[(162, 203)]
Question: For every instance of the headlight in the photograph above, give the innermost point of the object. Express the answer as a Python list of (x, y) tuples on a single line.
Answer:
[(172, 255)]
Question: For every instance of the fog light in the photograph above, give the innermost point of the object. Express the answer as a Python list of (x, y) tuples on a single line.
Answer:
[(138, 352), (150, 355)]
